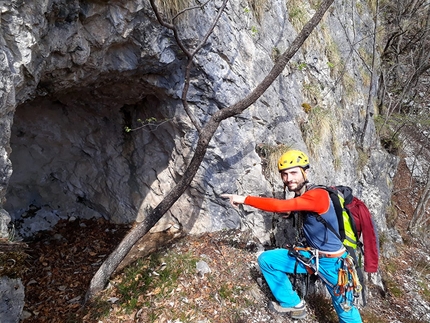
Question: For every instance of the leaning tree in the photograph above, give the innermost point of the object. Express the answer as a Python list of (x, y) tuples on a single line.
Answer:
[(205, 132)]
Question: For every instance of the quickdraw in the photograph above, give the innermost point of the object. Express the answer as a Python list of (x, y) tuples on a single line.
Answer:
[(347, 281)]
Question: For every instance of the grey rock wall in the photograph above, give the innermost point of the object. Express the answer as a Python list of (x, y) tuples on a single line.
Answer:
[(75, 73), (11, 300)]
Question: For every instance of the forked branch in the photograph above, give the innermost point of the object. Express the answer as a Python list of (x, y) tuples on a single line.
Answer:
[(190, 54)]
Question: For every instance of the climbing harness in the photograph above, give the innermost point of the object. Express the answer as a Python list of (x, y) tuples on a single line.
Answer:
[(311, 263), (348, 280)]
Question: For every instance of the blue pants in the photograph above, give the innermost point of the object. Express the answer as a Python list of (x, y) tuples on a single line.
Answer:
[(275, 264)]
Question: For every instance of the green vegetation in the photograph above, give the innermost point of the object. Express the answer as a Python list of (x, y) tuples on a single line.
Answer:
[(323, 308), (317, 129), (297, 14), (392, 286), (388, 130), (276, 52), (155, 276), (270, 155), (312, 90), (97, 309), (350, 86), (333, 53), (301, 66), (363, 158), (168, 284), (365, 77), (146, 282), (422, 268), (149, 123), (257, 7), (368, 316), (391, 215)]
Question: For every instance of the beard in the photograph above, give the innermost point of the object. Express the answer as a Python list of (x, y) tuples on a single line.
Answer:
[(298, 187)]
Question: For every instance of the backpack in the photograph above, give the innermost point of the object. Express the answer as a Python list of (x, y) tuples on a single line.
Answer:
[(355, 221), (341, 196)]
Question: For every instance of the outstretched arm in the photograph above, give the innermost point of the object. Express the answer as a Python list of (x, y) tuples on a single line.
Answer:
[(316, 200)]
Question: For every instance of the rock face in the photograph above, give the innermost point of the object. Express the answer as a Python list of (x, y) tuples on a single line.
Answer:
[(74, 74), (11, 299)]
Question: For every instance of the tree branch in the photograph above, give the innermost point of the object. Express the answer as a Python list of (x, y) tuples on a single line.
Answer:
[(189, 54), (111, 263)]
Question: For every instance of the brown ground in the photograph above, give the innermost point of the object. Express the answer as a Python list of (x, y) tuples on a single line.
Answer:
[(62, 262)]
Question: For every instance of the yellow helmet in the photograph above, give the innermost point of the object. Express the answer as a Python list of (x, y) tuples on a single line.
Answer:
[(293, 158)]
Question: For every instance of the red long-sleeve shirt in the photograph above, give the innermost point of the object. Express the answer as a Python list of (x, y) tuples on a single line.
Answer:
[(316, 200), (312, 201)]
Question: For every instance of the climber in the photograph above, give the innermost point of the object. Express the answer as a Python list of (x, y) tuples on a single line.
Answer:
[(323, 254)]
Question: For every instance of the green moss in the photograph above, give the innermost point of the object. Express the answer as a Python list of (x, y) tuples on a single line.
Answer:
[(317, 129)]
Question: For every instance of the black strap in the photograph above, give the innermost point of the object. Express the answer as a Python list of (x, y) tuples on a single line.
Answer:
[(295, 275), (328, 226)]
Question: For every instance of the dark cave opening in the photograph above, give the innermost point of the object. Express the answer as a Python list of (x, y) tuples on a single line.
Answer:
[(73, 158)]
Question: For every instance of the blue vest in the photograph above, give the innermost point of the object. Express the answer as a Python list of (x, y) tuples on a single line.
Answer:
[(317, 235)]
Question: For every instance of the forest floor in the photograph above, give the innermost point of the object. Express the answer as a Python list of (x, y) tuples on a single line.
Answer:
[(212, 277)]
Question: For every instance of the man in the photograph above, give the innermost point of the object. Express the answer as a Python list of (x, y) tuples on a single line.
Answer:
[(326, 254)]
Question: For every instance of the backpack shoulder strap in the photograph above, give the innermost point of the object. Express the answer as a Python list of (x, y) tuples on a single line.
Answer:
[(338, 208)]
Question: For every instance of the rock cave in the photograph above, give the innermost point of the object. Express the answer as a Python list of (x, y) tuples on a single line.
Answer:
[(73, 158)]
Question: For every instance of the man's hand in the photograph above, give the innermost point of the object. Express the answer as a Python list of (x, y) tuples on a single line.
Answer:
[(235, 200)]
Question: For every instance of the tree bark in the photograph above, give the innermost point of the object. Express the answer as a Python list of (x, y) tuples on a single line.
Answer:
[(99, 280), (420, 210)]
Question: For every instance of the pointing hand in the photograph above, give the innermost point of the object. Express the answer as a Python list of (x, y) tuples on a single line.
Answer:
[(235, 200)]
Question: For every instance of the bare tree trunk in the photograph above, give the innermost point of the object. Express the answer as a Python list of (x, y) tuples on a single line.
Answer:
[(420, 211), (205, 135), (406, 40)]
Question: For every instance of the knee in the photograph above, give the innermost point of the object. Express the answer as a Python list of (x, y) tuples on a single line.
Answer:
[(263, 260)]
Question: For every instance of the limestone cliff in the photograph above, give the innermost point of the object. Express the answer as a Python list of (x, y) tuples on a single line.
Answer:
[(76, 73)]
